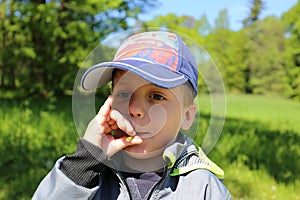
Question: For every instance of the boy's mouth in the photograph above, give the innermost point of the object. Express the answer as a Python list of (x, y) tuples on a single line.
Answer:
[(119, 133), (145, 135)]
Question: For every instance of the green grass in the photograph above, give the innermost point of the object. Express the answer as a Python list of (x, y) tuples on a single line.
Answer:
[(279, 113), (33, 135), (259, 146), (245, 184)]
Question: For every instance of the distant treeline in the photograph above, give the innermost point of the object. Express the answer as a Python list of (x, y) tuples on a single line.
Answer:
[(43, 43)]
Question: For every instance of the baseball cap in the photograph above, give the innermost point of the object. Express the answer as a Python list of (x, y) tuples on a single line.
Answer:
[(160, 57)]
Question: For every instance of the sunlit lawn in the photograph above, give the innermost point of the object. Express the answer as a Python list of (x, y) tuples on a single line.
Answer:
[(273, 112), (277, 112)]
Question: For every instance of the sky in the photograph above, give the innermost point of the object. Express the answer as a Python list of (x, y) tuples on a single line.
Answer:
[(237, 9)]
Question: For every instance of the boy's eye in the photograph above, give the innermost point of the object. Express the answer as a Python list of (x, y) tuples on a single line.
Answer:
[(156, 97)]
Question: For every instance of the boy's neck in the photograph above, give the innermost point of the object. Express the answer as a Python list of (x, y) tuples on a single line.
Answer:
[(155, 164)]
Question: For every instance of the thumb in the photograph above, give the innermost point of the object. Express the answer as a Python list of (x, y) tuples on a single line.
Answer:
[(114, 145)]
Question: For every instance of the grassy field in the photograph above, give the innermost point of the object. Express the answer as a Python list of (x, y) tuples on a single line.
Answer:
[(260, 137), (274, 111), (258, 148)]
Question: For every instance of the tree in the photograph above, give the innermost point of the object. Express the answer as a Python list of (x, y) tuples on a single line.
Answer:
[(292, 53), (222, 21), (224, 46), (44, 42), (194, 28), (265, 57), (256, 7)]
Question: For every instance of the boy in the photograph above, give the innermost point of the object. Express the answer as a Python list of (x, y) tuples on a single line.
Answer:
[(133, 147)]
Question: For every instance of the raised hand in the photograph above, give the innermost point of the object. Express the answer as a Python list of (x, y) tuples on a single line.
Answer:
[(105, 125)]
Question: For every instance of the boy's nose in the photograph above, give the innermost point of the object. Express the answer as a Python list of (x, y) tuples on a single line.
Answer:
[(136, 107)]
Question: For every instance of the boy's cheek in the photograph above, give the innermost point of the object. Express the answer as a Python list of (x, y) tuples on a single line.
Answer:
[(120, 105), (121, 109)]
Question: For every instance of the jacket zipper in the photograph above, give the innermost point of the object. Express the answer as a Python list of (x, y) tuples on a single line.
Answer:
[(162, 180), (124, 183)]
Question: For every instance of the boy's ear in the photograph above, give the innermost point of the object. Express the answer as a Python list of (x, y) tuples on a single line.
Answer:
[(188, 116)]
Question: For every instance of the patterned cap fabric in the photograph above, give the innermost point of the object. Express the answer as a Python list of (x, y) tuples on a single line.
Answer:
[(160, 57)]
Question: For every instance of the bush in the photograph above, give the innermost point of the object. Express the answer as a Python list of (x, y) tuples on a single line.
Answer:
[(33, 136)]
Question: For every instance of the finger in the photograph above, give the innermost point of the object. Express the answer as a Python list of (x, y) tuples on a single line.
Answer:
[(114, 126), (103, 114), (114, 145), (122, 123), (128, 141), (111, 122)]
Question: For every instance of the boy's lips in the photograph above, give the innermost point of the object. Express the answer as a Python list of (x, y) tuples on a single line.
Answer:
[(145, 135), (119, 133)]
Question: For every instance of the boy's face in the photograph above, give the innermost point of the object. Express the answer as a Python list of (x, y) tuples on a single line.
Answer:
[(156, 114)]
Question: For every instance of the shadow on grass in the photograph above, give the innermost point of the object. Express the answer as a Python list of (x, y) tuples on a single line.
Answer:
[(258, 146)]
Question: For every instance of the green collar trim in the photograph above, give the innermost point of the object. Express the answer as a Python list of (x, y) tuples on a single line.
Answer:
[(202, 162), (191, 157)]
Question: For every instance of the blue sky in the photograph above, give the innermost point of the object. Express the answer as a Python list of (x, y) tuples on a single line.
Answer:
[(237, 9)]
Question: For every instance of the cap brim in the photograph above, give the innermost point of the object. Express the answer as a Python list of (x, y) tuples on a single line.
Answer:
[(159, 75)]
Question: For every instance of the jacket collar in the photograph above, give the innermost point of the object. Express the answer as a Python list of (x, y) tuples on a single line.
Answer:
[(185, 156)]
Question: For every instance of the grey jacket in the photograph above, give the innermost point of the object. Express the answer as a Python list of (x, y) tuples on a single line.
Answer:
[(189, 175)]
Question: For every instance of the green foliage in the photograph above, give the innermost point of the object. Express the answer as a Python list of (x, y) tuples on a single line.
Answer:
[(33, 136), (185, 25), (44, 42), (249, 62), (265, 64), (256, 7), (292, 53)]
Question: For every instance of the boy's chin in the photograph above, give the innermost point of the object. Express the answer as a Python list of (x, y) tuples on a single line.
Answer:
[(137, 152)]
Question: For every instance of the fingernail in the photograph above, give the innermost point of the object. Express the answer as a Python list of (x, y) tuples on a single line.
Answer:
[(130, 130), (112, 114), (137, 139)]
